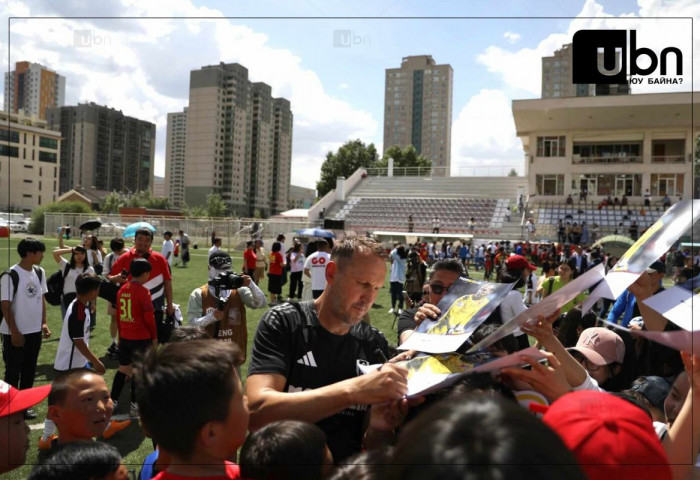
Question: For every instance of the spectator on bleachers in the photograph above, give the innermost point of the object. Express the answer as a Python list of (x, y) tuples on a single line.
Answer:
[(568, 237), (585, 234), (595, 231), (634, 230), (666, 202), (561, 231), (576, 233), (436, 225), (624, 201), (647, 198), (530, 229), (569, 200)]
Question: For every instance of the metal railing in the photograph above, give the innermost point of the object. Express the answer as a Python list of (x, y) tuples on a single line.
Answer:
[(606, 160), (478, 171), (234, 232), (668, 159)]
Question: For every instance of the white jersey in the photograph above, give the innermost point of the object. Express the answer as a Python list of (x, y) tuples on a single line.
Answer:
[(76, 326), (316, 263)]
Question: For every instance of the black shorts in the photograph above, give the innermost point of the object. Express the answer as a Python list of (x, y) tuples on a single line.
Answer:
[(275, 285), (128, 349)]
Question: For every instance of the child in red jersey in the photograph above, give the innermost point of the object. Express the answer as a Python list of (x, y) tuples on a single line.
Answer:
[(204, 428), (275, 273), (137, 327)]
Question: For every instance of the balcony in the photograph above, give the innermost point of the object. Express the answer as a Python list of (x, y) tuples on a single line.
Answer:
[(668, 159)]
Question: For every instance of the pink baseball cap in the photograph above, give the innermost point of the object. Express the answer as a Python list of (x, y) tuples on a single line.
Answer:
[(609, 436), (13, 400), (600, 346)]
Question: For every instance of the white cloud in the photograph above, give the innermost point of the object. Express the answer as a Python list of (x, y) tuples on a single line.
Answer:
[(343, 86), (142, 67), (483, 136), (512, 37), (484, 131)]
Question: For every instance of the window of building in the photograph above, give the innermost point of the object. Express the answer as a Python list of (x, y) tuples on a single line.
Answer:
[(9, 135), (549, 184), (670, 184), (619, 184), (551, 146), (48, 142), (6, 151), (48, 157)]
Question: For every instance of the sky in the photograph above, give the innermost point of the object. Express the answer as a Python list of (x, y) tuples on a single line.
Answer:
[(141, 64)]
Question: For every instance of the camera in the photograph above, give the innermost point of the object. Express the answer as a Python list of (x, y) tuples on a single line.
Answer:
[(226, 281)]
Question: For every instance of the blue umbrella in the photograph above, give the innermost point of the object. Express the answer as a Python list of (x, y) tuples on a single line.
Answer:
[(315, 232), (130, 231)]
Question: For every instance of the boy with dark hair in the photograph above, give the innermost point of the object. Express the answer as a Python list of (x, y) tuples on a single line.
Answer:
[(137, 327), (81, 408), (200, 373), (82, 461), (286, 450), (22, 290), (73, 346)]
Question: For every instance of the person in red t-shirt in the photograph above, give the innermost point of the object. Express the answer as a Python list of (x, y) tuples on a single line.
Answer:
[(274, 273), (137, 327), (159, 283), (249, 259)]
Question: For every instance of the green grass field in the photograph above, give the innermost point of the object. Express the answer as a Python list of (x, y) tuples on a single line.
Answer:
[(131, 442)]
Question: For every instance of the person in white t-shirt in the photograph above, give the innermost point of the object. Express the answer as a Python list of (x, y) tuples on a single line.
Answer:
[(24, 316), (70, 270), (168, 250), (315, 267), (214, 248)]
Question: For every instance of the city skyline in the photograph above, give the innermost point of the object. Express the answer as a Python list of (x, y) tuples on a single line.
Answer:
[(331, 70)]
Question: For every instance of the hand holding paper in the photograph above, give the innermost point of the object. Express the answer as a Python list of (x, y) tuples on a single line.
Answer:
[(550, 380)]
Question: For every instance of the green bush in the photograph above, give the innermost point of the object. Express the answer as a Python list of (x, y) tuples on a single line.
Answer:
[(37, 225)]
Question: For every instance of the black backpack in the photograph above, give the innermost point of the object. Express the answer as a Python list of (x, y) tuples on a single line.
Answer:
[(15, 281), (54, 285)]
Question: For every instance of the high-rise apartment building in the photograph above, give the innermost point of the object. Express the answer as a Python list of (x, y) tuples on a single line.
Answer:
[(557, 73), (238, 142), (418, 109), (33, 88), (103, 148), (29, 162), (175, 158)]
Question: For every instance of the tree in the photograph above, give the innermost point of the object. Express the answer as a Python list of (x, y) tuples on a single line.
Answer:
[(37, 225), (403, 158), (513, 173), (111, 203), (215, 205), (343, 163)]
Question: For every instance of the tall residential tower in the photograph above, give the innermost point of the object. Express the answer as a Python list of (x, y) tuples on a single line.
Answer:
[(418, 109), (238, 142), (103, 148), (33, 88)]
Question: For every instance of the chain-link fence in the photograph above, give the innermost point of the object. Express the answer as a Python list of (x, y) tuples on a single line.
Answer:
[(234, 232)]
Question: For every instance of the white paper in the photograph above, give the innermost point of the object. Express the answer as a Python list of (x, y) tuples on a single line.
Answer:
[(676, 339), (648, 248), (546, 307), (676, 304)]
